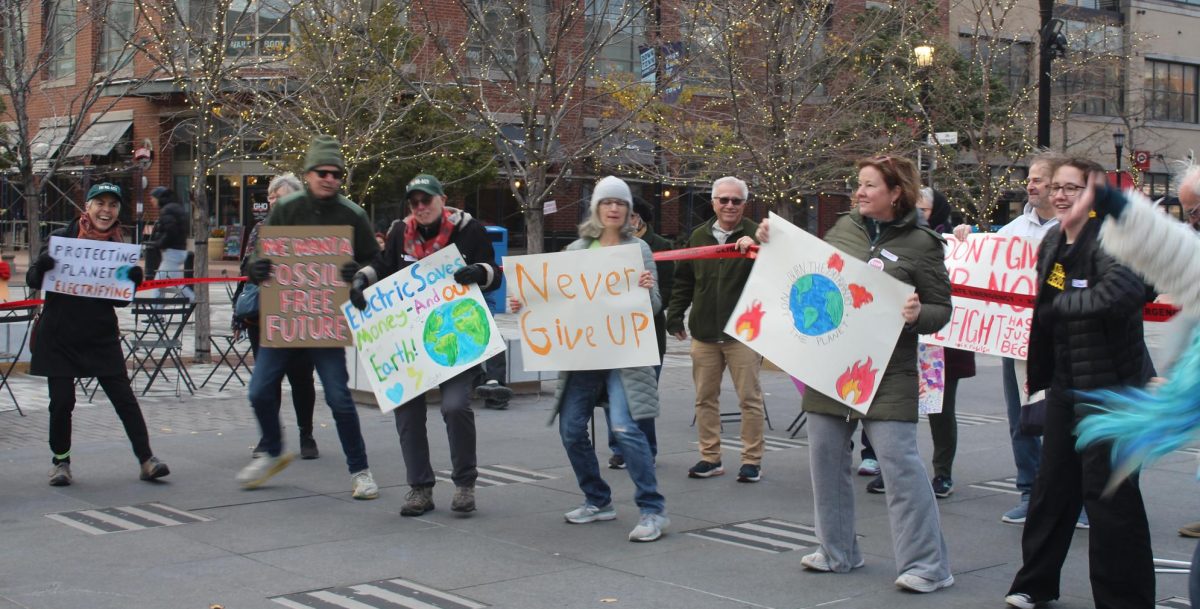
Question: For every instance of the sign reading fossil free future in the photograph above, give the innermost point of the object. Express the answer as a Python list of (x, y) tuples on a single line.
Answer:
[(298, 306), (420, 328), (825, 318), (583, 310), (86, 267)]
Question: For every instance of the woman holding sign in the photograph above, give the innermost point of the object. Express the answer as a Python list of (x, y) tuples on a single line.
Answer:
[(78, 337), (632, 392), (883, 229)]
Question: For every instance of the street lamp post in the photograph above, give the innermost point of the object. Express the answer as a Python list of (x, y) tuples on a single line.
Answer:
[(923, 57), (1119, 144)]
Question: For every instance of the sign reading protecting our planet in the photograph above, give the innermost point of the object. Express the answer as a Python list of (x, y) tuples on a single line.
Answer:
[(420, 328), (825, 318), (96, 269), (298, 305), (583, 309), (996, 262)]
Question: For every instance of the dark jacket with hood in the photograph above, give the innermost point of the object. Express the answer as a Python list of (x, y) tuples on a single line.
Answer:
[(171, 228), (666, 280), (468, 234), (710, 287), (302, 209), (75, 336)]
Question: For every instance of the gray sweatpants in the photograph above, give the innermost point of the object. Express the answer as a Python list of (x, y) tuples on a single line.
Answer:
[(912, 509)]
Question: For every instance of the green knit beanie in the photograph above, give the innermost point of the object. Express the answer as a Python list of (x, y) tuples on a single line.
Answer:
[(324, 150)]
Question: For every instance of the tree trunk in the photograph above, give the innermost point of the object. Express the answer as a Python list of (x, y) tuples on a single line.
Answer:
[(33, 196), (200, 229), (535, 230)]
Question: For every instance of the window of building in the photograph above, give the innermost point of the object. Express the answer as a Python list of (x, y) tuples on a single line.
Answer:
[(619, 27), (1008, 60), (115, 51), (1171, 91), (1156, 185), (258, 27), (497, 34), (1092, 84), (60, 34)]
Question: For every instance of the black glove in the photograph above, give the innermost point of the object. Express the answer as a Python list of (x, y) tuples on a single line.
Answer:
[(472, 273), (348, 271), (358, 282), (259, 271), (1108, 202), (44, 263), (137, 276)]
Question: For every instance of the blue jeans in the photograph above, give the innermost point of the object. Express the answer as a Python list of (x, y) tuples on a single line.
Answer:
[(330, 363), (578, 403), (1027, 450), (646, 425)]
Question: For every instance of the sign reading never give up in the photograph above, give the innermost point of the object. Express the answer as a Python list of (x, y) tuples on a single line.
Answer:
[(299, 303)]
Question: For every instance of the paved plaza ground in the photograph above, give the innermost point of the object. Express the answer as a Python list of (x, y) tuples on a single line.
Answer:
[(196, 540)]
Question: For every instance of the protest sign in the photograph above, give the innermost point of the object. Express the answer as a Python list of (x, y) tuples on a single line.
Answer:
[(825, 318), (299, 304), (86, 267), (583, 310), (420, 328), (994, 262), (931, 372)]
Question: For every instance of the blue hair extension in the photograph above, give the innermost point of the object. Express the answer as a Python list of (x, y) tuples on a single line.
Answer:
[(1144, 426)]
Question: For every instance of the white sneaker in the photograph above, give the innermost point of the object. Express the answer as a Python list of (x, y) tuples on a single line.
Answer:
[(916, 583), (650, 527), (817, 561), (261, 468), (869, 467), (1020, 601), (364, 485), (589, 513)]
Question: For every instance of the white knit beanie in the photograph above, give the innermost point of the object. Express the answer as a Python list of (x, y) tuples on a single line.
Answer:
[(611, 188)]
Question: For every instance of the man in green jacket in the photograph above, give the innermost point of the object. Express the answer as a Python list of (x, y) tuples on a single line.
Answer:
[(711, 289)]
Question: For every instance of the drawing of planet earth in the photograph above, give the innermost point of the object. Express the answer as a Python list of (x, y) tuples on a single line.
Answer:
[(816, 305), (456, 332)]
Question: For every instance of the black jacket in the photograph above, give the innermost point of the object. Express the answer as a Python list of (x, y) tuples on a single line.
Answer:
[(1087, 332), (75, 336), (468, 234), (171, 228), (666, 279)]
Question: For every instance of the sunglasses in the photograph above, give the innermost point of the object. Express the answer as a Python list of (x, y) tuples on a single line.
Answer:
[(416, 202), (735, 201), (329, 173)]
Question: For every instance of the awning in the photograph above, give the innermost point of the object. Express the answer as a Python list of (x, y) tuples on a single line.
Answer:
[(45, 144), (100, 139)]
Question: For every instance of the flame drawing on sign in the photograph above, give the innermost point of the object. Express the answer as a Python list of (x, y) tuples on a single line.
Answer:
[(857, 382), (835, 262), (749, 323), (860, 296)]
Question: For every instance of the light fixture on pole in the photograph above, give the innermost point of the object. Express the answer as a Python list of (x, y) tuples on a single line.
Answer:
[(1119, 144), (923, 57), (923, 54)]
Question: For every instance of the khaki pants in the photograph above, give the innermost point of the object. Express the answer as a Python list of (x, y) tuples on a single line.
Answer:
[(708, 366)]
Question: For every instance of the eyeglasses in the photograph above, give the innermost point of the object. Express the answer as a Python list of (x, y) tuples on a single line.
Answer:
[(612, 203), (416, 202), (1070, 190), (734, 201), (329, 173), (1194, 212)]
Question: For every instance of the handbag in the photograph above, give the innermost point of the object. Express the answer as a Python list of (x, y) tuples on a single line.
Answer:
[(1033, 418), (246, 307)]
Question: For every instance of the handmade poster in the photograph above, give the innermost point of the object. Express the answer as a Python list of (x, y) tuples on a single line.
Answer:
[(299, 306), (583, 310), (825, 318), (931, 374), (421, 328), (96, 269), (994, 262)]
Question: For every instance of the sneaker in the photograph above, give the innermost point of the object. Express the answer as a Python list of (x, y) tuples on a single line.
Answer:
[(916, 583), (493, 391), (1020, 601), (261, 468), (704, 469), (616, 462), (308, 447), (60, 474), (153, 469), (876, 486), (364, 485), (868, 467), (1017, 515), (1191, 529), (817, 561), (749, 473), (649, 528), (418, 501), (464, 499), (943, 486), (1083, 522), (589, 513)]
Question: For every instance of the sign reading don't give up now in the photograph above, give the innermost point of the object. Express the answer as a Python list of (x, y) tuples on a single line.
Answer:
[(299, 304), (583, 310), (86, 267)]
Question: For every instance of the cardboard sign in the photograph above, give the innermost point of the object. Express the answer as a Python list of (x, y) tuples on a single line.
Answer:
[(994, 262), (299, 306), (96, 269), (421, 328), (822, 316), (583, 310)]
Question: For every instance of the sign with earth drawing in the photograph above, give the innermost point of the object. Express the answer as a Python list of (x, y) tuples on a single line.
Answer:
[(827, 319), (421, 328)]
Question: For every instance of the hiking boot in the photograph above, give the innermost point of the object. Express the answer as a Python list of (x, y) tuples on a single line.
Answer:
[(943, 486), (463, 500), (817, 561), (261, 468), (364, 485), (875, 486), (589, 513), (704, 469), (616, 462), (153, 469), (916, 583), (650, 527), (749, 473), (869, 467), (1017, 515), (418, 501), (60, 474), (308, 446)]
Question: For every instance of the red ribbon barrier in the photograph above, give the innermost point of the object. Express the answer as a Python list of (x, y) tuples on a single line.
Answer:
[(708, 252), (154, 284), (17, 304)]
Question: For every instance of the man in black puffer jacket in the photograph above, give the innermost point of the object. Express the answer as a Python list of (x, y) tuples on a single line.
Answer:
[(170, 237)]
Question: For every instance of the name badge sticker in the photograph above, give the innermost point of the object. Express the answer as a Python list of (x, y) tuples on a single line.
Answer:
[(1079, 283), (889, 255)]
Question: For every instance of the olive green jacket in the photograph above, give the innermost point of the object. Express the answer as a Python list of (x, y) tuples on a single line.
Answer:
[(710, 287), (913, 254)]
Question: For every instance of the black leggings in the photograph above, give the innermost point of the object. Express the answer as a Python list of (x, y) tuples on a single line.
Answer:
[(62, 404)]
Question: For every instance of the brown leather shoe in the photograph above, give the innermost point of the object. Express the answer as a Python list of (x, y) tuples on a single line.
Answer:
[(1191, 529)]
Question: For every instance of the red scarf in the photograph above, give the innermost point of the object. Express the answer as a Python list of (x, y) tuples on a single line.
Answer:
[(416, 246), (88, 231)]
